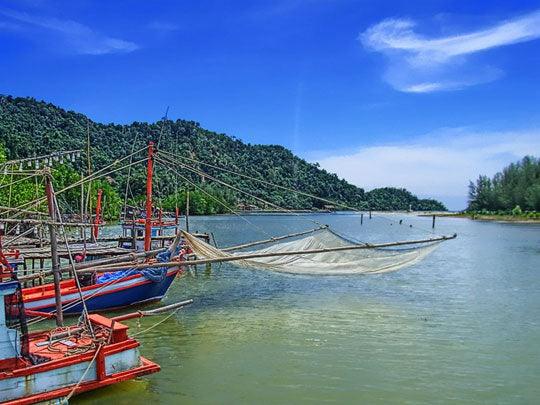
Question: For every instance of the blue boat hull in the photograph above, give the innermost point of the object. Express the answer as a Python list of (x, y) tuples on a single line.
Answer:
[(123, 294)]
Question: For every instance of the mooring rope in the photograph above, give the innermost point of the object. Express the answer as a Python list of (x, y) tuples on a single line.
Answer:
[(72, 392)]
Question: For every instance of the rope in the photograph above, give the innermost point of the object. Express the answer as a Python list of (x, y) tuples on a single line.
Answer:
[(129, 175), (91, 177), (156, 324), (78, 183), (19, 180), (72, 264), (78, 301), (199, 172), (262, 181), (72, 392), (214, 198)]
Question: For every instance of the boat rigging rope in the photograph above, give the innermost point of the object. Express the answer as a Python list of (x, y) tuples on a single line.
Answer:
[(166, 164), (72, 264), (19, 180), (201, 173), (262, 181), (100, 173), (129, 175)]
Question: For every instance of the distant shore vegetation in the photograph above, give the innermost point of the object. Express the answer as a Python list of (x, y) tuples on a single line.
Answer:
[(512, 193)]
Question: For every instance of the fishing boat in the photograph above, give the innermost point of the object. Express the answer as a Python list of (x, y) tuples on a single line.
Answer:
[(50, 364), (105, 291)]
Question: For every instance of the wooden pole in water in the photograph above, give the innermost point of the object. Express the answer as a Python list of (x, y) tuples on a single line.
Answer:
[(361, 219), (54, 249), (433, 223), (369, 214)]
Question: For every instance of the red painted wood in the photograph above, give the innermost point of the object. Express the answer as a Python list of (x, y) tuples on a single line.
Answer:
[(97, 220)]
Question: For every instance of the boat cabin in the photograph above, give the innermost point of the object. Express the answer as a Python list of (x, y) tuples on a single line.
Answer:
[(134, 231)]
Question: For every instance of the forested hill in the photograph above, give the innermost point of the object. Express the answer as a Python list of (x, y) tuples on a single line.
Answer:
[(29, 127)]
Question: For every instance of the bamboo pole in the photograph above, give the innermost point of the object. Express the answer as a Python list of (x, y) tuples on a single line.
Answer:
[(187, 210), (151, 312), (43, 272), (260, 255), (275, 239), (149, 210), (39, 222), (82, 230), (54, 250)]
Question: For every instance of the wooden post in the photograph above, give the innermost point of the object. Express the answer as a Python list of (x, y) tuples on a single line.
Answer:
[(33, 267), (97, 220), (187, 211), (83, 234), (369, 214), (433, 223), (133, 236), (361, 219), (54, 249), (148, 220)]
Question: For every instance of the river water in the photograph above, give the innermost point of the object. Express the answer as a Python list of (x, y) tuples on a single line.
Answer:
[(462, 326)]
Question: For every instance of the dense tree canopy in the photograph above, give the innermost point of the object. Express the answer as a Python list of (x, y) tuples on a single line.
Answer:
[(516, 187), (29, 128)]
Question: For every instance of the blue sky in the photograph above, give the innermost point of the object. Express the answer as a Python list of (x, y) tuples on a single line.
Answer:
[(425, 95)]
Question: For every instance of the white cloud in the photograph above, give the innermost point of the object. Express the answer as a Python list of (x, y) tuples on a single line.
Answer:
[(439, 165), (78, 37), (420, 64)]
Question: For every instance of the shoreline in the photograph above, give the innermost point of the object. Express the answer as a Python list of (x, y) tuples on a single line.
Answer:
[(484, 217)]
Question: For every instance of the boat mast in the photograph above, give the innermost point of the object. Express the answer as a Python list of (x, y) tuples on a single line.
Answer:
[(148, 221), (49, 191), (97, 220)]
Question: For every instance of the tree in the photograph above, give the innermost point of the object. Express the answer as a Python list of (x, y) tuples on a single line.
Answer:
[(517, 185)]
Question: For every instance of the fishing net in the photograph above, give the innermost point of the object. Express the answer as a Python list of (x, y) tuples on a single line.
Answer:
[(361, 259)]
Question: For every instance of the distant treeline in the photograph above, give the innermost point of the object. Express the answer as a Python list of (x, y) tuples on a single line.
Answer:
[(29, 128), (513, 190)]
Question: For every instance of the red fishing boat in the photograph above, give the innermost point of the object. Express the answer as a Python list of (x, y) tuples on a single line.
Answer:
[(59, 363)]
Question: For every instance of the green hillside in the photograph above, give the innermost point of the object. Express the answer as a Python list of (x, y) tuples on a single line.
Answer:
[(29, 127)]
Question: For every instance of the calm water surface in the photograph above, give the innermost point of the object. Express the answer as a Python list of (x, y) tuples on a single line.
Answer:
[(463, 326)]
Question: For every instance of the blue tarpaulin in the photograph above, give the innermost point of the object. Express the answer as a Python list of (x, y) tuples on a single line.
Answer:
[(155, 274)]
